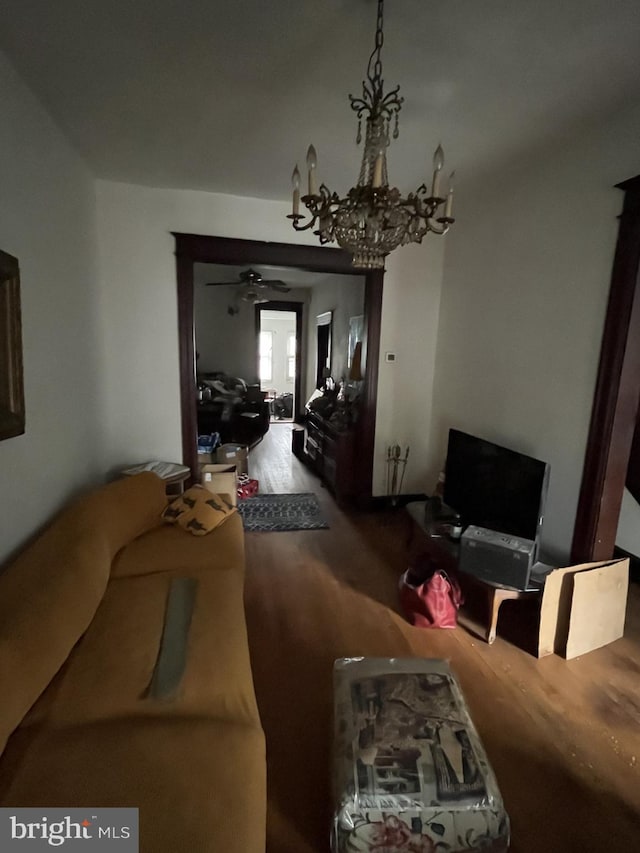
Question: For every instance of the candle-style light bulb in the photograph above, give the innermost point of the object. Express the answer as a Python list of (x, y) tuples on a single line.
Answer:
[(312, 157), (312, 162), (295, 183), (438, 163), (376, 180), (449, 205)]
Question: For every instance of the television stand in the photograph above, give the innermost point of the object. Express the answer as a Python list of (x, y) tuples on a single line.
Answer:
[(444, 552)]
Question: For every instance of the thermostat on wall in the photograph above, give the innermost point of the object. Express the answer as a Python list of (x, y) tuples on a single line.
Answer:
[(389, 356)]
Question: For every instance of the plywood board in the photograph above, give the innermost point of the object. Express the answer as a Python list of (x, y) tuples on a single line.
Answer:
[(554, 610), (598, 608), (557, 604)]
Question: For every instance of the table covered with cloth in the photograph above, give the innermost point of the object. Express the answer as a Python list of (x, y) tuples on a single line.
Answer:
[(410, 773)]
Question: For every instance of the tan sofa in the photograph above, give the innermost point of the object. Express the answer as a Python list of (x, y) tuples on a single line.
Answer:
[(81, 620)]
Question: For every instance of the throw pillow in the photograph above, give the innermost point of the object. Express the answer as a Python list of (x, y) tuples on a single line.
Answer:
[(199, 511)]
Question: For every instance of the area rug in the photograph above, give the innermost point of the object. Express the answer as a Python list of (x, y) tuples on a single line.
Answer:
[(282, 512)]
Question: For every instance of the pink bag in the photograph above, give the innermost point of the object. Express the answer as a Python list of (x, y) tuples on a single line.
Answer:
[(432, 603), (247, 488)]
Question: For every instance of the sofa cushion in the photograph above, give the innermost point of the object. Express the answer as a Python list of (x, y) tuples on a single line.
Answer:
[(199, 784), (168, 549), (50, 594), (199, 511), (108, 674)]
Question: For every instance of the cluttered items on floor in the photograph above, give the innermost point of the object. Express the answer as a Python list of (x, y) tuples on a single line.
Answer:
[(247, 486)]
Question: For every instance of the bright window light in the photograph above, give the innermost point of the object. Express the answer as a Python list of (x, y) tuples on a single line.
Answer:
[(266, 356)]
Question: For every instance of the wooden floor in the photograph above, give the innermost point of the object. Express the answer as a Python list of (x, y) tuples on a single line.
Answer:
[(276, 468), (563, 736)]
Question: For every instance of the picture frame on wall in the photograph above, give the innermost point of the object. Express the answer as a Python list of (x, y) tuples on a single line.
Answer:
[(12, 410), (356, 331)]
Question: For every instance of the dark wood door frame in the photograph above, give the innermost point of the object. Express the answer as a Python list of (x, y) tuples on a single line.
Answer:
[(615, 405), (198, 248), (296, 308)]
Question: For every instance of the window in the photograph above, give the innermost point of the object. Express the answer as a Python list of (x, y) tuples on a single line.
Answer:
[(291, 357), (266, 356)]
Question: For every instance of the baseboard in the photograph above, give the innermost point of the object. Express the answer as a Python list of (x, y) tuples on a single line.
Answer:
[(381, 502)]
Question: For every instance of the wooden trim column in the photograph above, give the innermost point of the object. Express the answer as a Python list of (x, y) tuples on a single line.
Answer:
[(187, 354), (615, 404), (367, 427)]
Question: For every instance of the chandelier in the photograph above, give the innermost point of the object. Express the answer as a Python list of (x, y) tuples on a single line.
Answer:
[(373, 219)]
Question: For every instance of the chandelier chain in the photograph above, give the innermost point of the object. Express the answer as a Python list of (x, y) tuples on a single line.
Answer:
[(377, 68)]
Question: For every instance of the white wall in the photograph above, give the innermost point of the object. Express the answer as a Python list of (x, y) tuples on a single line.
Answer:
[(47, 220), (410, 310), (223, 342), (140, 326), (629, 525), (343, 295), (525, 286)]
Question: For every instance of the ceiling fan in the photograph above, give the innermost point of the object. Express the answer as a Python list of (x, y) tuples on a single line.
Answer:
[(253, 288)]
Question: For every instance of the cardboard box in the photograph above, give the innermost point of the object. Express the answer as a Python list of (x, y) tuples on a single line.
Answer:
[(234, 454), (221, 480), (583, 608)]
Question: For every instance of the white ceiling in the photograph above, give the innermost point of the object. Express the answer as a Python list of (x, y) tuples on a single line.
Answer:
[(226, 95)]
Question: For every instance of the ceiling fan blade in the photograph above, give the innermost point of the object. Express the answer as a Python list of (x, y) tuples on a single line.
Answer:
[(222, 283), (252, 282)]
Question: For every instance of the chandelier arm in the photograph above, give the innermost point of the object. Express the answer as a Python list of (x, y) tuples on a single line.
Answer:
[(438, 226), (296, 221), (360, 105), (426, 201), (321, 207), (391, 102)]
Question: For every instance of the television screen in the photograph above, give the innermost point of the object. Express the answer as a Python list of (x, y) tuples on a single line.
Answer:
[(493, 487)]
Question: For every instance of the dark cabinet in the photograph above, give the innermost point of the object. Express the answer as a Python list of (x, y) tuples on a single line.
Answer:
[(330, 453)]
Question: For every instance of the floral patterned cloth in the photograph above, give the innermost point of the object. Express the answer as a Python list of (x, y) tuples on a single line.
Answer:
[(410, 773)]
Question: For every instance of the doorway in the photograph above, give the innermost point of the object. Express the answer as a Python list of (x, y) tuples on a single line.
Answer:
[(196, 248), (279, 351)]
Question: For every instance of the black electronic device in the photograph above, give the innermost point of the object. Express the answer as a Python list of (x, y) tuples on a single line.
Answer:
[(498, 558), (494, 487)]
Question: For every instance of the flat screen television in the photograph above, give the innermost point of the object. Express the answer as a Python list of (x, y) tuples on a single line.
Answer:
[(493, 487)]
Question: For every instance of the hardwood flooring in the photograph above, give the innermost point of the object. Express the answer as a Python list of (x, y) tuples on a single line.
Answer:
[(563, 736), (274, 465)]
